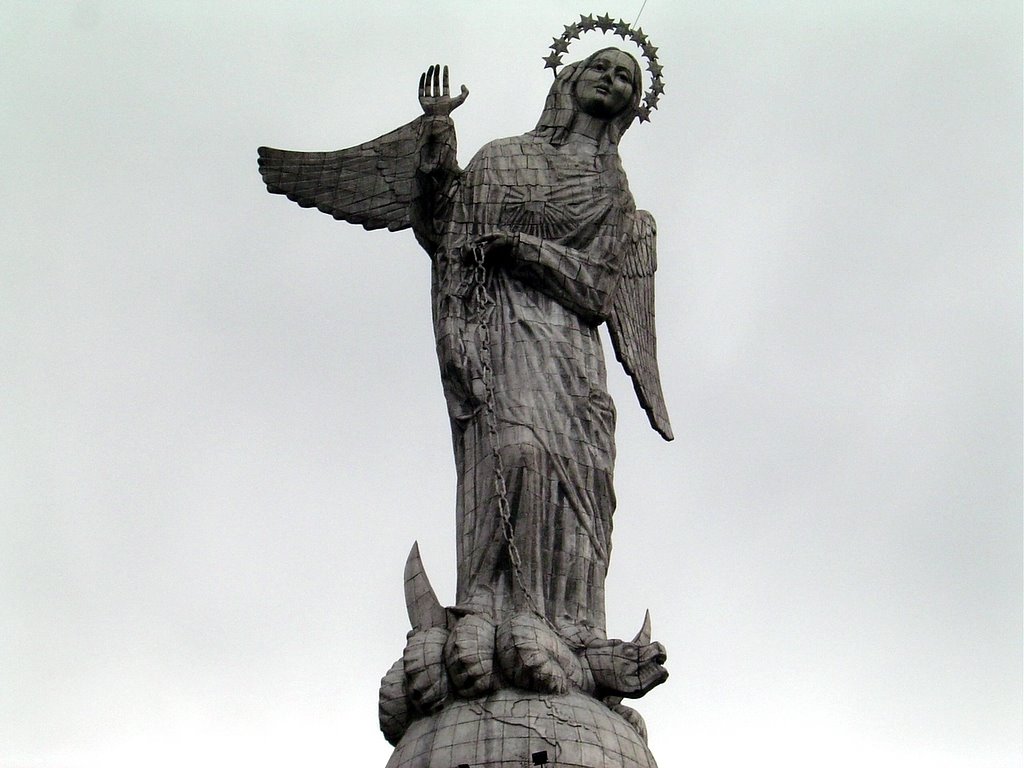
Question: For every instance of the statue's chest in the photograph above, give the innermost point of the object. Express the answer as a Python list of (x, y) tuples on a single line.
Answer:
[(552, 202)]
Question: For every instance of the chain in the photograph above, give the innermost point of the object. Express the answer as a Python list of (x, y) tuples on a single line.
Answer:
[(483, 306)]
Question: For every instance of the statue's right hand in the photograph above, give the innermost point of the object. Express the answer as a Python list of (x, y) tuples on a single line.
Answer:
[(435, 96)]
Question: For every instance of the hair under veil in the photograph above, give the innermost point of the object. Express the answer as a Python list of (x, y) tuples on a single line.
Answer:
[(561, 107)]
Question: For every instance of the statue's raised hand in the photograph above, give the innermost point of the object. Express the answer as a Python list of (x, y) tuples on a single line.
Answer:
[(435, 97)]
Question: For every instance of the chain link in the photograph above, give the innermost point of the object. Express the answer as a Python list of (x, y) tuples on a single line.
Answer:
[(483, 307)]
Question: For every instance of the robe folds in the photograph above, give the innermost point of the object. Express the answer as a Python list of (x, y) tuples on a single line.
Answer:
[(569, 214)]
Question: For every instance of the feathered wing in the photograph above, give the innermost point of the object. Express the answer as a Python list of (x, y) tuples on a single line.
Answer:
[(376, 184), (631, 322)]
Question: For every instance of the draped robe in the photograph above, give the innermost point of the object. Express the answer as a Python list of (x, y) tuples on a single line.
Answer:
[(568, 212)]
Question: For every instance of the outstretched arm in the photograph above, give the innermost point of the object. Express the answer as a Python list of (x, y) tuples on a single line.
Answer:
[(396, 181), (437, 165), (437, 148)]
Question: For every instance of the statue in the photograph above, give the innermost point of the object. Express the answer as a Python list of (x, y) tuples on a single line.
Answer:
[(534, 245)]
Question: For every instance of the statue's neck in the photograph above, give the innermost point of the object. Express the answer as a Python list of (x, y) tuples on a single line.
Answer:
[(587, 132)]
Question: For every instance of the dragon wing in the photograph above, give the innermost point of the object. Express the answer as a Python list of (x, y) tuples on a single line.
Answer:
[(631, 323), (376, 184)]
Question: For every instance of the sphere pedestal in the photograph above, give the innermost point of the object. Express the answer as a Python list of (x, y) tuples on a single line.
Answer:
[(507, 728)]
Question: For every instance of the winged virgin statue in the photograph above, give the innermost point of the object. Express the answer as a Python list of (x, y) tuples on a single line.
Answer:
[(534, 245)]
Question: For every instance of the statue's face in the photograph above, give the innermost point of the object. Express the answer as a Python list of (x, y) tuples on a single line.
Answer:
[(605, 87)]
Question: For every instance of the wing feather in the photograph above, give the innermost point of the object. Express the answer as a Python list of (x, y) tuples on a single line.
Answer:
[(631, 323), (373, 184)]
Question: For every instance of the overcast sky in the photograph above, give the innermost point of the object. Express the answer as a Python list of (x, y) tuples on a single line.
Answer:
[(222, 425)]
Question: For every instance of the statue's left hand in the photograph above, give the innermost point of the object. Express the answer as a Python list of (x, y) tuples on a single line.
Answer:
[(435, 96)]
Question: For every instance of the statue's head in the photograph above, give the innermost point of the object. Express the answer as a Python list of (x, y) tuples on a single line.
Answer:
[(605, 85), (608, 82)]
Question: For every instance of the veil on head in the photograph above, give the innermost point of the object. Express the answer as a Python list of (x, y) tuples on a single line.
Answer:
[(561, 107)]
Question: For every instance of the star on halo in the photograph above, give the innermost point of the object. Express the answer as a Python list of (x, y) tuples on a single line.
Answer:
[(553, 61), (605, 22), (638, 37)]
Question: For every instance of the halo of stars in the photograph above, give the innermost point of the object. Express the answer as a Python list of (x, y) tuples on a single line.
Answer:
[(560, 45)]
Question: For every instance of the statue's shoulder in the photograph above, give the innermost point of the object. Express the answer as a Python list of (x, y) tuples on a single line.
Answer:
[(510, 146)]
